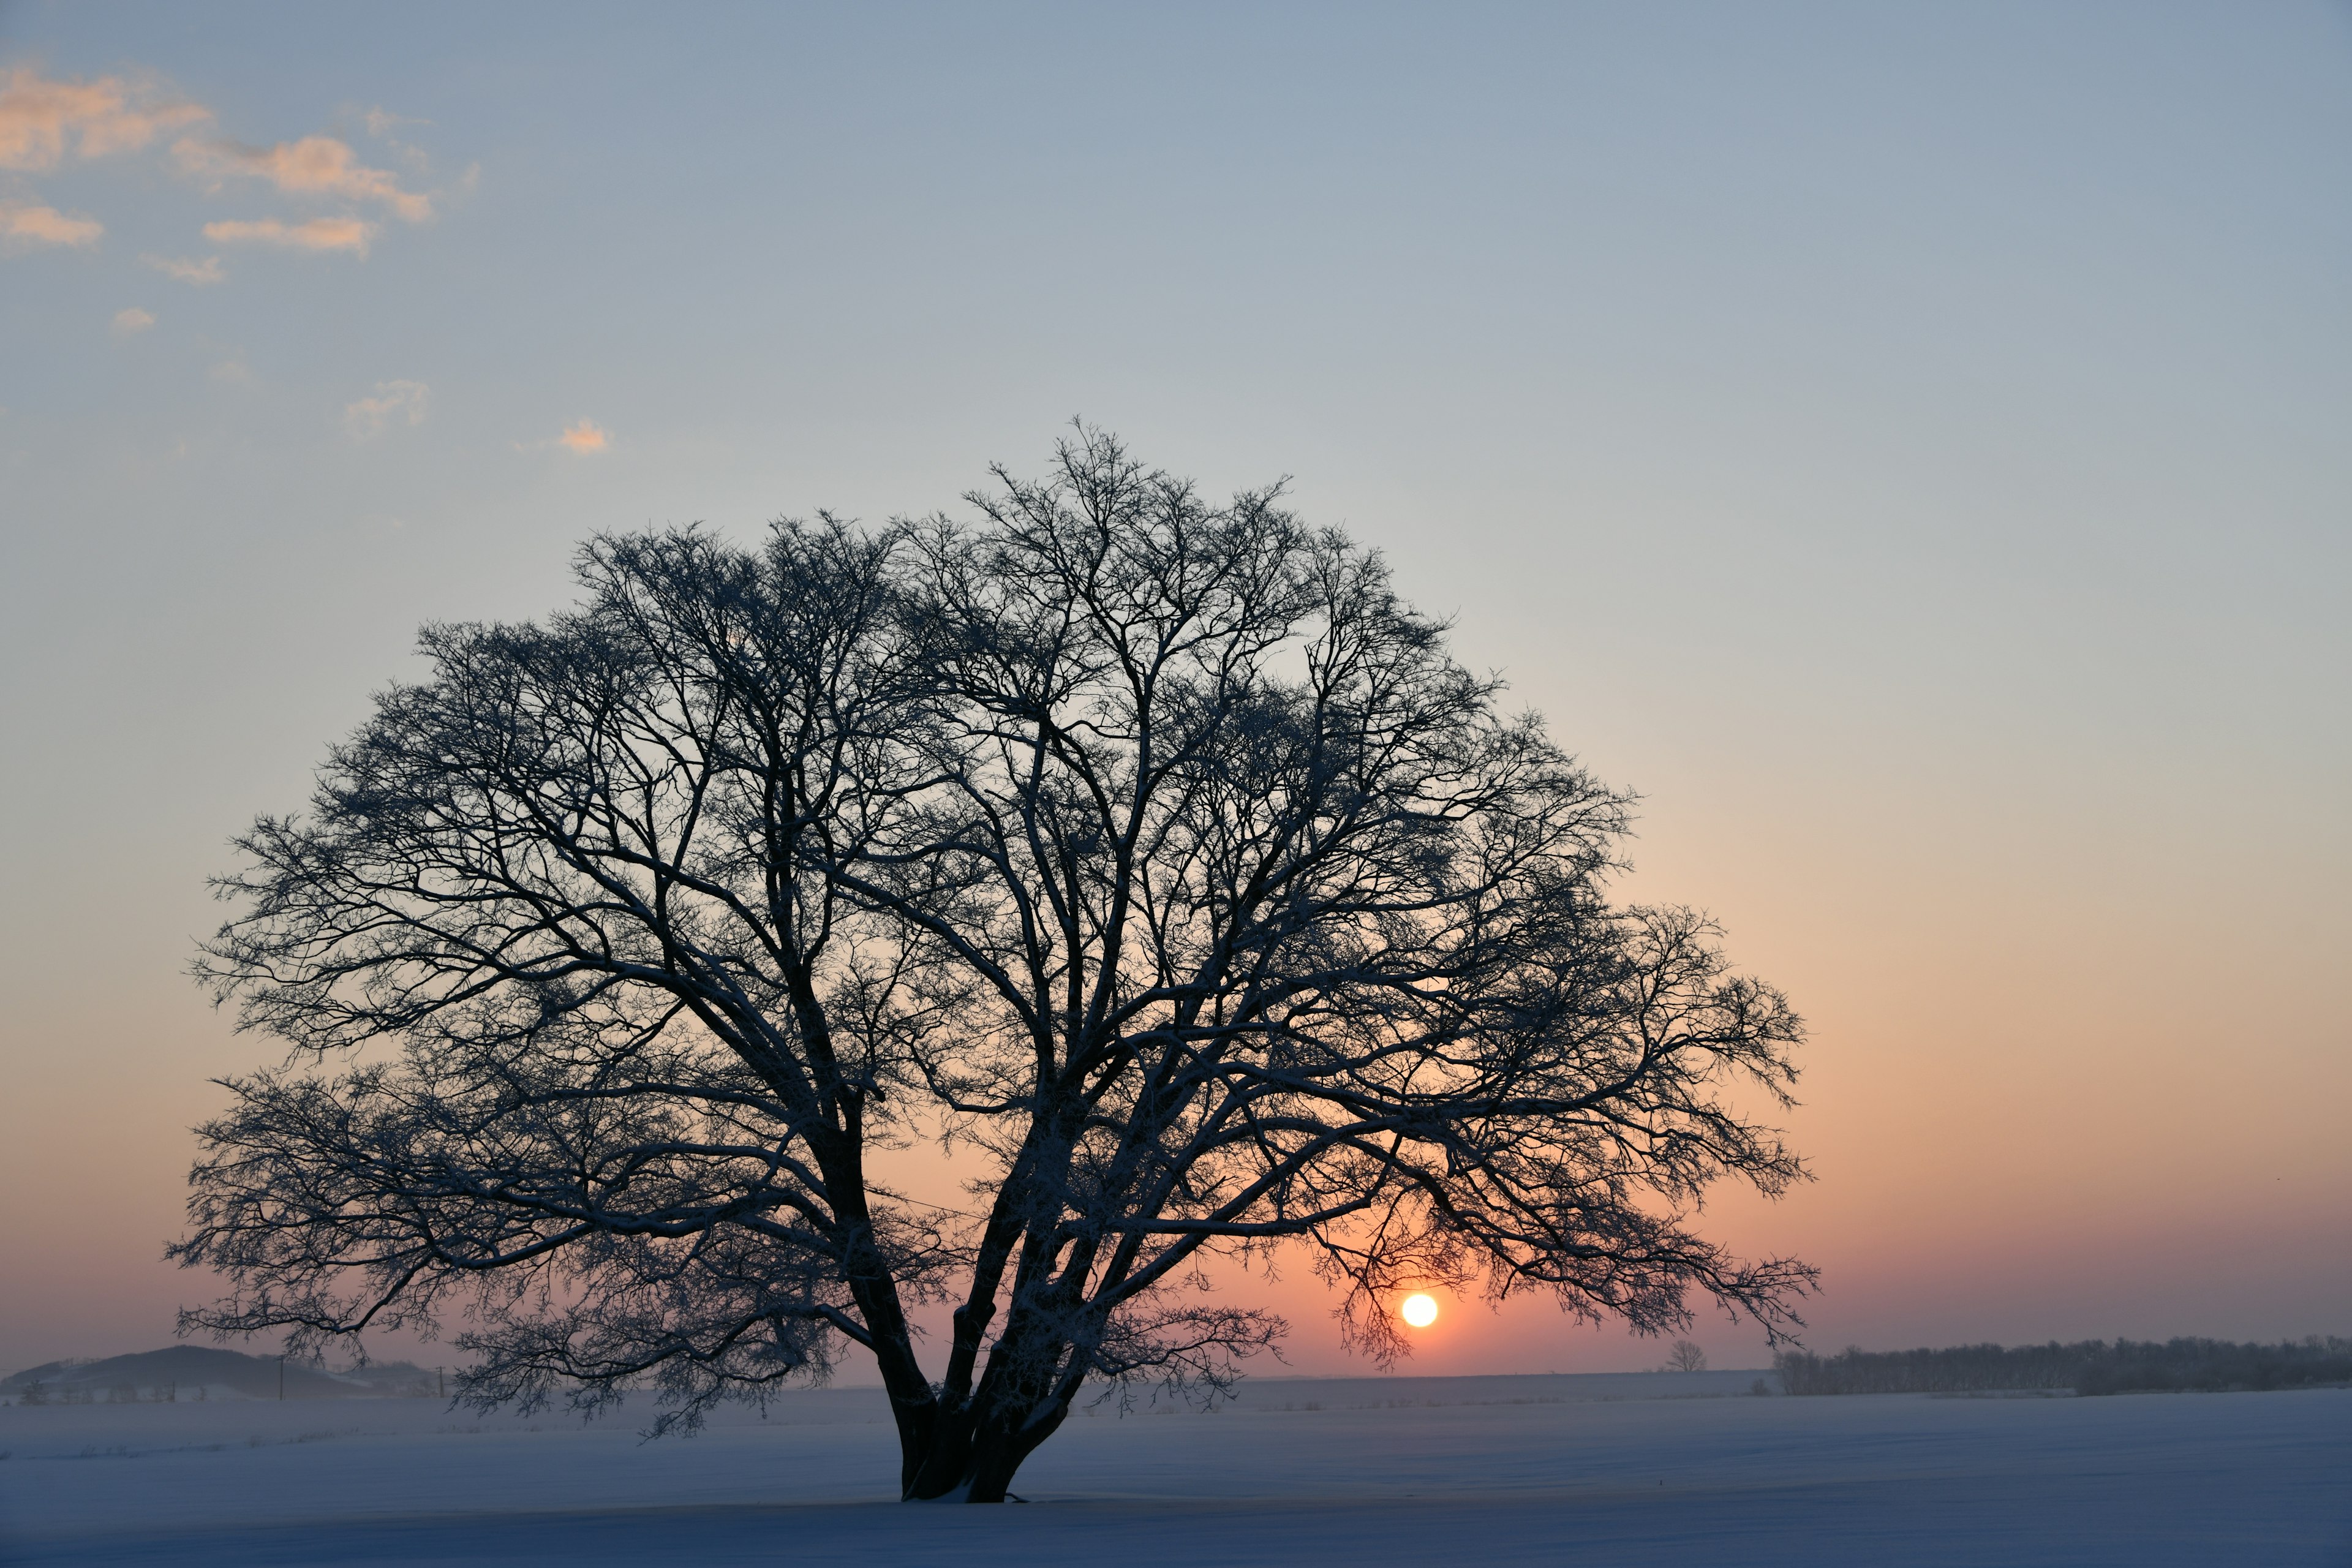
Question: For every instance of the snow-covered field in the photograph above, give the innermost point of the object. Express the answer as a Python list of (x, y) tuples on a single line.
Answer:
[(1588, 1470)]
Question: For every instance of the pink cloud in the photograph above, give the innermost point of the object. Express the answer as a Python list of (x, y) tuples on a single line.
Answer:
[(24, 226), (584, 438), (381, 121), (322, 233), (45, 121), (134, 319), (40, 119), (394, 401), (188, 269), (313, 167)]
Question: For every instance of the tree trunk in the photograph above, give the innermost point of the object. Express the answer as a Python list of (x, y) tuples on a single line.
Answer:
[(969, 1452)]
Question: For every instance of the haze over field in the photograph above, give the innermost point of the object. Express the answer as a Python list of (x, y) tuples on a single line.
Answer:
[(1607, 1468), (1907, 448)]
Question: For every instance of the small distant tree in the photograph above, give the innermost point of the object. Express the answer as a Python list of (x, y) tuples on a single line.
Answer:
[(1148, 854), (35, 1393), (1686, 1356)]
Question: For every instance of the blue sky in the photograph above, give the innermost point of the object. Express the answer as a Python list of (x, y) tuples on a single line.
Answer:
[(1907, 445)]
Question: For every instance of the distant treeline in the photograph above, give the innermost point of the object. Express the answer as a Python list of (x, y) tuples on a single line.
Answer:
[(2094, 1366)]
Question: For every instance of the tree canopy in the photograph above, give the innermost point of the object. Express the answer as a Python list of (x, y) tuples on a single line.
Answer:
[(1148, 855)]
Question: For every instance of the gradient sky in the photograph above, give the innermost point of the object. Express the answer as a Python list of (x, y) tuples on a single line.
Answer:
[(1913, 447)]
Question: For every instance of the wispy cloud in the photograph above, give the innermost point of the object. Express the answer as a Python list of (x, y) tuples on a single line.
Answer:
[(23, 226), (42, 118), (187, 269), (133, 321), (317, 234), (380, 122), (46, 121), (314, 166), (584, 438), (395, 402)]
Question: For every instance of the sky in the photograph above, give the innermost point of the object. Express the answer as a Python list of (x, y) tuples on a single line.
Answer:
[(1906, 445)]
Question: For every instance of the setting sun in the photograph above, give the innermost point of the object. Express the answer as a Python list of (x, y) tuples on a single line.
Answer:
[(1420, 1311)]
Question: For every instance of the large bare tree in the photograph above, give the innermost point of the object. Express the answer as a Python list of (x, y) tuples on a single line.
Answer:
[(1147, 856)]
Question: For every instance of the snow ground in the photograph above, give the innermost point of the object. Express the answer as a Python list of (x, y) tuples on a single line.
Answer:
[(1587, 1471)]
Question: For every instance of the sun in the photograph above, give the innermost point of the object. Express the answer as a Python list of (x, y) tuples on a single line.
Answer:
[(1420, 1311)]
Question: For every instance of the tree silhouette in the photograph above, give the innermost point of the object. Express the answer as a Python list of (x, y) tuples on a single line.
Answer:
[(1148, 855)]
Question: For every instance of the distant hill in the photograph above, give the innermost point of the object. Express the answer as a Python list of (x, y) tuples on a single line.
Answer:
[(202, 1371)]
